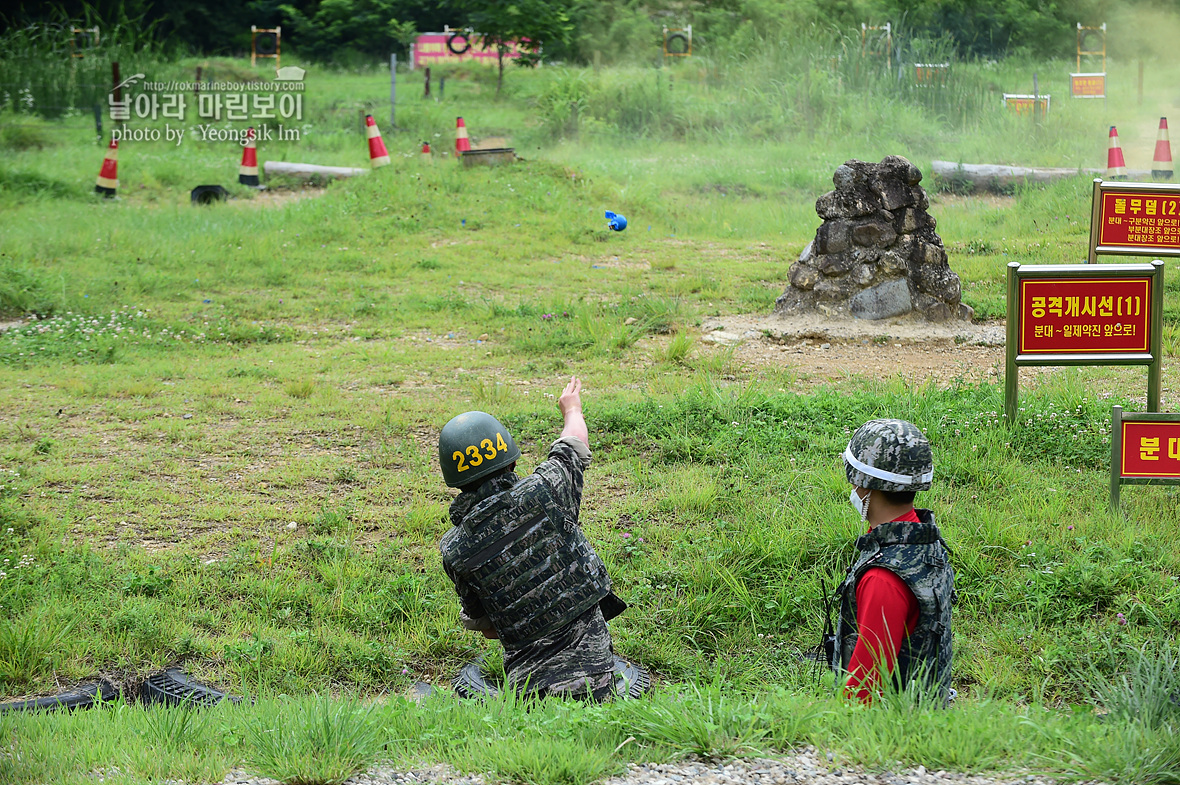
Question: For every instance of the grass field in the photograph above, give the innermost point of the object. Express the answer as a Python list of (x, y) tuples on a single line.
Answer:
[(202, 379)]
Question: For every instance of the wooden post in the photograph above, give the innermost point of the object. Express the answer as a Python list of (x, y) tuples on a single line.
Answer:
[(116, 81), (197, 83), (392, 91), (442, 86), (426, 83)]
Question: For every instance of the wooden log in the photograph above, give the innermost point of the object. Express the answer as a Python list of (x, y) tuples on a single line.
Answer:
[(996, 177), (309, 171)]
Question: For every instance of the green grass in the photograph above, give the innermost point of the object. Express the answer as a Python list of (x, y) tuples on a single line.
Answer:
[(195, 381)]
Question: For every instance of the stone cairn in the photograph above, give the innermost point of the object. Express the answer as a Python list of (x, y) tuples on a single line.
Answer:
[(876, 255)]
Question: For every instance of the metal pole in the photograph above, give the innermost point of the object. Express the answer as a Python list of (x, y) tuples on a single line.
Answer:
[(392, 91), (1116, 454), (116, 81), (1095, 217), (98, 122), (1010, 347), (1155, 370), (1036, 99), (442, 86)]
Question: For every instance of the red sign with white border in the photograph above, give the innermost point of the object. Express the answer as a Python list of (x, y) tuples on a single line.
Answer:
[(1150, 449), (1087, 85), (1085, 315)]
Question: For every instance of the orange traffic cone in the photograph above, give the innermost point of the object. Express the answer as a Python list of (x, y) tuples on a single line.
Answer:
[(108, 177), (426, 157), (462, 143), (378, 155), (1161, 165), (1116, 167), (248, 171)]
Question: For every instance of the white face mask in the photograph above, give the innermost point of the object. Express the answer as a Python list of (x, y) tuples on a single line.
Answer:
[(860, 505)]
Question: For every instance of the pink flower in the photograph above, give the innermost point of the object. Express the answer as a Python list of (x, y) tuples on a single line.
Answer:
[(640, 539), (1122, 619), (626, 535), (1069, 527)]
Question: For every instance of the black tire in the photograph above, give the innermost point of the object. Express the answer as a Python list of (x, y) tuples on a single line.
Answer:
[(84, 696), (451, 44), (469, 682), (682, 38), (208, 194), (173, 688)]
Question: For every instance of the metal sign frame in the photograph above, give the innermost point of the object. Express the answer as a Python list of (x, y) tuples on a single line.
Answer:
[(685, 33), (1092, 52), (92, 36), (1152, 358), (1015, 102), (1117, 418), (1101, 188), (879, 45), (931, 74), (277, 32)]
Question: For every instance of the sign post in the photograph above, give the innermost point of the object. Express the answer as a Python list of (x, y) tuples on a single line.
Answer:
[(1084, 314), (1144, 450)]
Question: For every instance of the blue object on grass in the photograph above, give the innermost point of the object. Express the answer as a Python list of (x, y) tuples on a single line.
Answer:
[(616, 222)]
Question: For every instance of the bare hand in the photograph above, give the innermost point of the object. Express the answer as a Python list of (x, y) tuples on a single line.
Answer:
[(571, 398)]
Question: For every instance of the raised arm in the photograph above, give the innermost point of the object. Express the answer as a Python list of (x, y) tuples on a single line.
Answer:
[(570, 404)]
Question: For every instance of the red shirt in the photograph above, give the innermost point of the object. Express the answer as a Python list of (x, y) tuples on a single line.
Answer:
[(886, 613)]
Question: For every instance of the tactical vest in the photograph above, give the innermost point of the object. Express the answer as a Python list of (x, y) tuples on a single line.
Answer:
[(529, 562), (915, 553)]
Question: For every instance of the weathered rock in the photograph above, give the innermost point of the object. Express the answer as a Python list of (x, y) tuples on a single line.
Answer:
[(940, 282), (835, 288), (803, 276), (966, 312), (837, 264), (875, 235), (891, 298), (833, 237)]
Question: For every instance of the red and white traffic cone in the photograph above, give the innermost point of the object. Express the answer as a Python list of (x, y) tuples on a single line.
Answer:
[(426, 156), (378, 155), (108, 177), (1116, 167), (1161, 165), (248, 171), (462, 143)]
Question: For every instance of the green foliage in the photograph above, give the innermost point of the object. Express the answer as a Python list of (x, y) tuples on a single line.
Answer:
[(319, 742)]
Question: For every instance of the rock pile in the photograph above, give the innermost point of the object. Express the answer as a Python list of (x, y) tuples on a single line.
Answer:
[(876, 255)]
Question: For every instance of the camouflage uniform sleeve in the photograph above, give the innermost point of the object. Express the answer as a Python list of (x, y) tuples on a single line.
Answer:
[(569, 457), (471, 611)]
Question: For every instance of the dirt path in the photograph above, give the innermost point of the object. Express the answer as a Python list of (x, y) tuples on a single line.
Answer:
[(825, 349)]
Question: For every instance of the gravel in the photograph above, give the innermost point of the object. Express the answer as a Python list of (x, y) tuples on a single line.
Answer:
[(804, 767)]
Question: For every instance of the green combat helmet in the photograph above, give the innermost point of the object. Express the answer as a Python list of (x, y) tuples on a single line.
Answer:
[(472, 446), (889, 455)]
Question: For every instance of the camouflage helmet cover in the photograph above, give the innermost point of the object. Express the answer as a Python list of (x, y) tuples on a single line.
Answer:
[(472, 446), (889, 455)]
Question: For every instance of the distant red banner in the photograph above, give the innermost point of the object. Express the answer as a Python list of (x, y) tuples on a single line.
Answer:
[(1150, 449), (1087, 85), (1139, 219), (1084, 315), (456, 47)]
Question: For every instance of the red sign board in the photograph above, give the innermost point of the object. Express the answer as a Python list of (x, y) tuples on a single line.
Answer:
[(1085, 315), (1139, 219), (456, 47), (1087, 85), (1023, 104), (1150, 449)]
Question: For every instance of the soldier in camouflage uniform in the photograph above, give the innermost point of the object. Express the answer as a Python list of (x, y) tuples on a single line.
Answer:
[(524, 571), (895, 603)]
